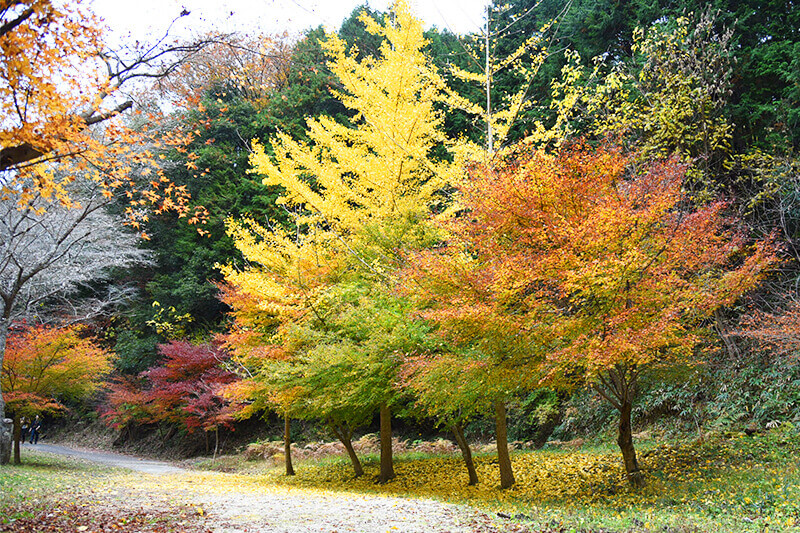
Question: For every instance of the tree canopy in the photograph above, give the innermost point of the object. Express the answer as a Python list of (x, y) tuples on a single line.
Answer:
[(44, 367)]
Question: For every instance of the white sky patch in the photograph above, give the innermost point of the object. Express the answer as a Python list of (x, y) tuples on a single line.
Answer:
[(148, 19)]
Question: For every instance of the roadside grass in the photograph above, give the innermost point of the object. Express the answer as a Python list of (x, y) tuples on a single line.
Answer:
[(724, 483), (41, 476)]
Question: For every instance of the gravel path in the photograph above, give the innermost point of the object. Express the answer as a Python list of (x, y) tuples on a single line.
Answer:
[(111, 459), (295, 513), (231, 503)]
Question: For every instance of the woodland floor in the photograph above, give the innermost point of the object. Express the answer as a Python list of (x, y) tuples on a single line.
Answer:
[(721, 484), (68, 493)]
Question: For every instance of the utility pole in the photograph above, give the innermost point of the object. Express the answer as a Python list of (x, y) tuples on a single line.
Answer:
[(489, 147), (517, 103)]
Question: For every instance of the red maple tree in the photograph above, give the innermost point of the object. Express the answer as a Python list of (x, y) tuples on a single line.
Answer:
[(184, 390)]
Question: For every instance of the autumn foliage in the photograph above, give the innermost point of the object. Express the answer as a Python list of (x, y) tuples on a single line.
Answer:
[(777, 332), (45, 366), (39, 39), (59, 94), (605, 269), (358, 192), (182, 390), (382, 168)]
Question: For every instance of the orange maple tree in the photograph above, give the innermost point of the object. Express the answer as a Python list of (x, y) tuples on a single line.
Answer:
[(45, 366), (60, 99), (606, 270), (43, 84)]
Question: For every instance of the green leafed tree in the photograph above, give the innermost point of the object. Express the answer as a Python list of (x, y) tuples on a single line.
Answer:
[(456, 388)]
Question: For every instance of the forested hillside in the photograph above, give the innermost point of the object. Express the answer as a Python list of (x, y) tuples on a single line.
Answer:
[(583, 224)]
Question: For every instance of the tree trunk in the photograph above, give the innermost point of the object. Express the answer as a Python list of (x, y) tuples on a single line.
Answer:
[(466, 453), (287, 444), (618, 386), (216, 443), (503, 458), (5, 438), (728, 341), (351, 453), (17, 438), (5, 434), (387, 465), (345, 436), (625, 441)]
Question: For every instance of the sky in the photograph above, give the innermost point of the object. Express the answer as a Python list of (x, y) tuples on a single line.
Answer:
[(150, 18)]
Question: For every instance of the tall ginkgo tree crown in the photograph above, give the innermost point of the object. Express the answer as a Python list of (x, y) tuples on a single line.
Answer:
[(383, 166)]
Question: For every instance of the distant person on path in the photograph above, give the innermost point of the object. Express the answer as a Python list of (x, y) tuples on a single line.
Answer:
[(24, 429), (35, 427)]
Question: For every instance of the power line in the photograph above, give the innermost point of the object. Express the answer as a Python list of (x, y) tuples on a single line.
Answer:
[(521, 17), (311, 11)]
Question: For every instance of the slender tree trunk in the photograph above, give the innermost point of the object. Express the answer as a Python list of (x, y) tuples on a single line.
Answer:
[(208, 446), (216, 443), (722, 331), (5, 434), (387, 465), (351, 453), (618, 387), (345, 436), (466, 453), (287, 444), (503, 458), (17, 438), (625, 441)]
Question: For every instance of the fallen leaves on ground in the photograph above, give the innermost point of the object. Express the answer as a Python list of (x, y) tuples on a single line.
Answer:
[(65, 517), (733, 483), (749, 482)]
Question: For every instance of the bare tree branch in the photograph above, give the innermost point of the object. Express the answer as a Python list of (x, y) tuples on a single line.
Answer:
[(11, 24), (50, 251), (154, 61)]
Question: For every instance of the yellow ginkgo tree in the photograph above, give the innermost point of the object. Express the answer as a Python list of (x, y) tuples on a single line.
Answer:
[(360, 193), (382, 168)]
